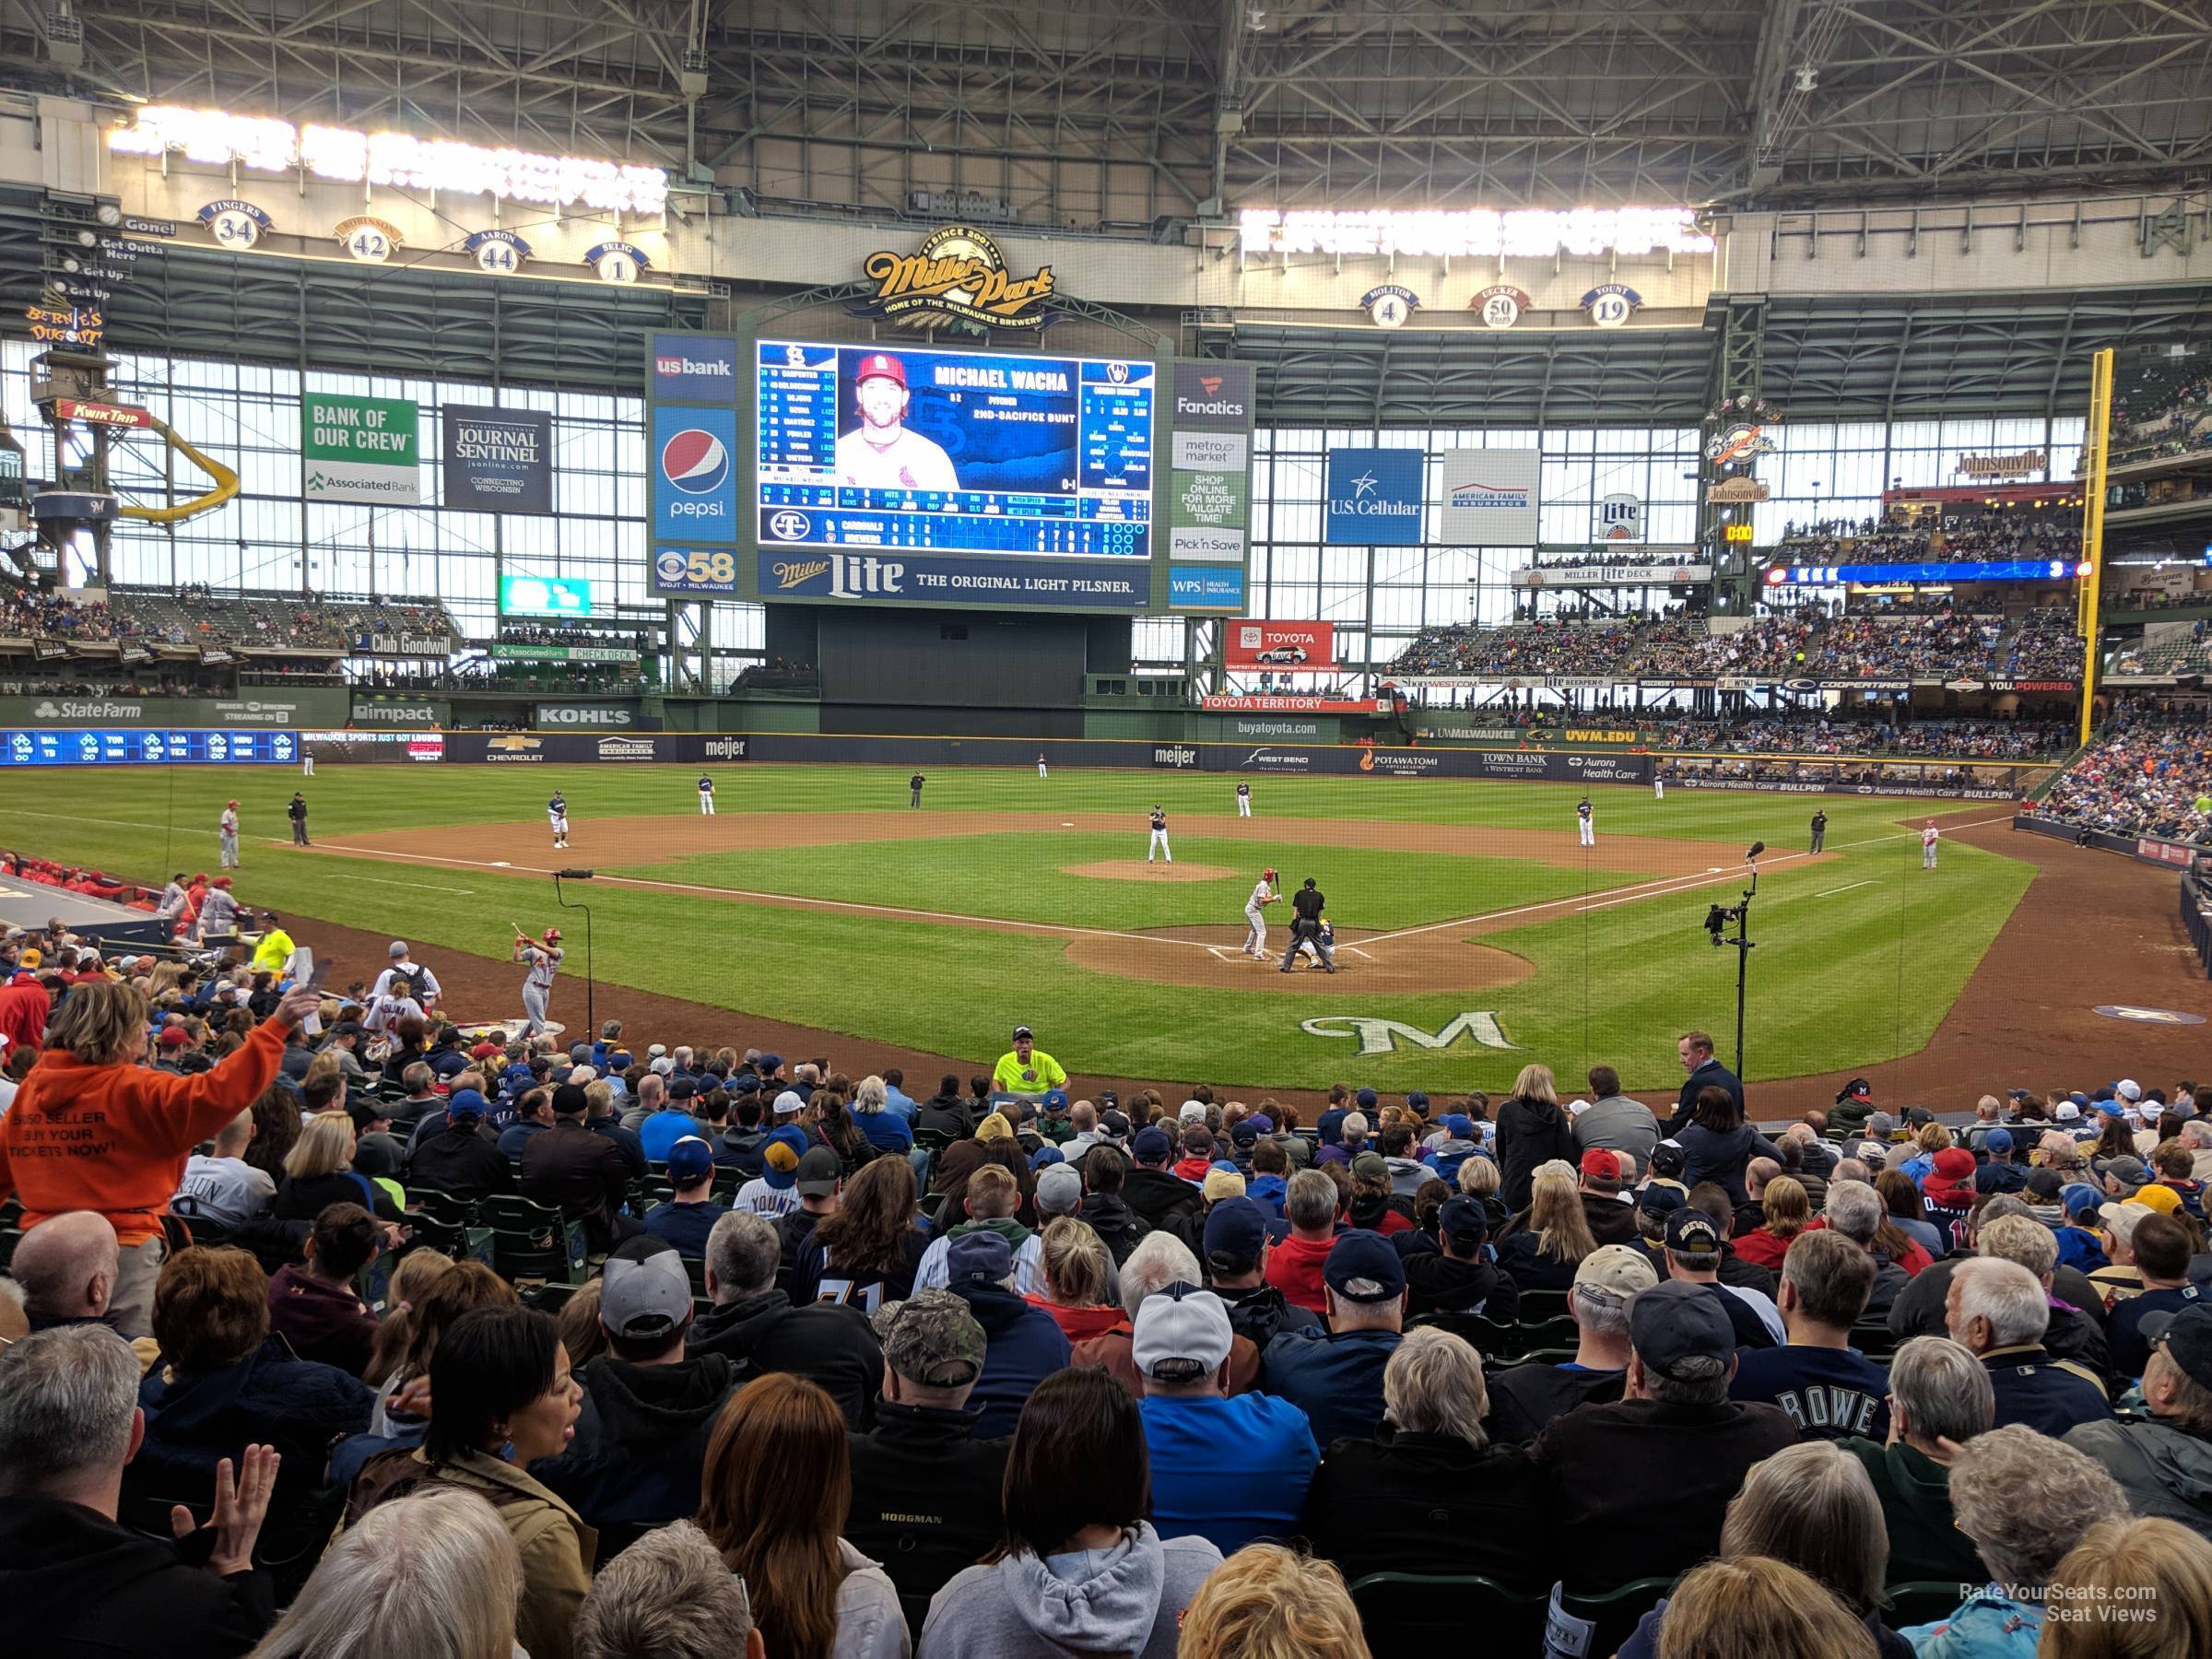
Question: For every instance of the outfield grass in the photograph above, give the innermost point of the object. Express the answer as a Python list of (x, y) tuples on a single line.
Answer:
[(1858, 957)]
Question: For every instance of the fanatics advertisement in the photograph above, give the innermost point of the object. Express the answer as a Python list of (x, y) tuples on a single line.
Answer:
[(1209, 485), (1302, 647), (498, 460), (1490, 498), (1212, 397), (1374, 498)]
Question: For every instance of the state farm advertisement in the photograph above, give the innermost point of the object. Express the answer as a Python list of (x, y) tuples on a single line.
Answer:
[(1282, 702), (1295, 647)]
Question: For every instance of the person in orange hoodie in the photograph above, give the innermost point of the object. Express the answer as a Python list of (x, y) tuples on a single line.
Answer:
[(94, 1129), (1294, 1264)]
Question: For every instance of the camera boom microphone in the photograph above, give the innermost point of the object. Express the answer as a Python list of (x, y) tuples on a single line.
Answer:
[(1756, 848), (574, 874)]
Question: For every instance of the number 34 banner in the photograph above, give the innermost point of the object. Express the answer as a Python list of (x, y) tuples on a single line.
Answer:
[(695, 570)]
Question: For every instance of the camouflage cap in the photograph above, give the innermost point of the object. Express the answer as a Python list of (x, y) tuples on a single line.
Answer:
[(931, 1338)]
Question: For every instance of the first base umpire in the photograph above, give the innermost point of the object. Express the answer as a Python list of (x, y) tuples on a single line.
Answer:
[(1306, 906)]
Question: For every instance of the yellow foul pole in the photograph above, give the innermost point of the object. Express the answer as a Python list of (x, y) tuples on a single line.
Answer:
[(2096, 443)]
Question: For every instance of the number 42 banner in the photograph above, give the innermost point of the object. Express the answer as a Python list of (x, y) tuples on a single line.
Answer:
[(695, 570)]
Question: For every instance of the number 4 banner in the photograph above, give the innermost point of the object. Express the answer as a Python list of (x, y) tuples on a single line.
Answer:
[(678, 571)]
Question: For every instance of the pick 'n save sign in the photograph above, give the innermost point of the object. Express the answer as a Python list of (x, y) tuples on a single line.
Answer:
[(359, 449)]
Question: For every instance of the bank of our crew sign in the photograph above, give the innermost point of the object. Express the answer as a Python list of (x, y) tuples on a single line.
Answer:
[(359, 449)]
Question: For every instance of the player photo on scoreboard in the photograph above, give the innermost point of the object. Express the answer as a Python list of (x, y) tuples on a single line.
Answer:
[(946, 420)]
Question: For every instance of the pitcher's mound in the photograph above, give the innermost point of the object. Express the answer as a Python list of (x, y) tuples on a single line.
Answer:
[(1431, 961), (1137, 869)]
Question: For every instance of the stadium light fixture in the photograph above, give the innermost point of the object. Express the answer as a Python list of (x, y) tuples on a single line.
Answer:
[(1533, 233), (217, 138)]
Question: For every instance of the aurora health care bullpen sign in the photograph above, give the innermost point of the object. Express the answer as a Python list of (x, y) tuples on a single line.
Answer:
[(359, 449)]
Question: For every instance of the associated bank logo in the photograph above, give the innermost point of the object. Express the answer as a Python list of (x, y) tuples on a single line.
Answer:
[(694, 369), (789, 526), (696, 462)]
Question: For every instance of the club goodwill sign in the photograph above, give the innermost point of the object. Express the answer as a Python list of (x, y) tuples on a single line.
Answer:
[(498, 460)]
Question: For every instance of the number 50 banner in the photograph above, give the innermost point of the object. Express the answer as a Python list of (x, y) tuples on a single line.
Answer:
[(695, 570)]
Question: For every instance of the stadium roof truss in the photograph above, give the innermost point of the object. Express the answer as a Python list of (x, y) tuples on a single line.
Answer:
[(1115, 113)]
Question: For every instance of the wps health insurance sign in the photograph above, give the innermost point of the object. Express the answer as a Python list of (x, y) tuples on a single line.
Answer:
[(359, 449), (1374, 498)]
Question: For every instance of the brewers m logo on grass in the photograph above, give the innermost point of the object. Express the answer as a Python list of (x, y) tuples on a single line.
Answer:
[(957, 272), (1380, 1036)]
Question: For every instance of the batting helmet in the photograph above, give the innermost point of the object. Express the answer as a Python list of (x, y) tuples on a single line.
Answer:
[(552, 934)]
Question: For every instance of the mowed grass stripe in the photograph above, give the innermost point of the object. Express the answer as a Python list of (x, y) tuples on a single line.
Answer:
[(1851, 980)]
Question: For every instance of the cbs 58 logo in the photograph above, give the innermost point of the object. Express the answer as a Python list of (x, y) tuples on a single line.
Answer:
[(697, 568)]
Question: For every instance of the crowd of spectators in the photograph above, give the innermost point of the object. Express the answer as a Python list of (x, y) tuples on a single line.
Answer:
[(1783, 734), (40, 614), (195, 615), (2145, 774), (1807, 642), (825, 1369), (2160, 418), (1951, 537), (514, 632)]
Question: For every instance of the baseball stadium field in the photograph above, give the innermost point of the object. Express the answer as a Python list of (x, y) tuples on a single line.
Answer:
[(1473, 934)]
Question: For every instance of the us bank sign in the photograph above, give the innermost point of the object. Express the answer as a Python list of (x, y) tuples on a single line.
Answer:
[(1380, 1036)]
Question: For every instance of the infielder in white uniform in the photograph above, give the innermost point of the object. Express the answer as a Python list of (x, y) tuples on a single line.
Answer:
[(1585, 826), (706, 795), (544, 960), (1927, 846), (226, 827), (1158, 843), (1243, 800), (1040, 766), (401, 988), (1264, 893), (306, 760), (557, 815), (880, 454), (1658, 785)]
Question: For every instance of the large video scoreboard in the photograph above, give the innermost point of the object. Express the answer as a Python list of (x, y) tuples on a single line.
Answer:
[(959, 452), (900, 472)]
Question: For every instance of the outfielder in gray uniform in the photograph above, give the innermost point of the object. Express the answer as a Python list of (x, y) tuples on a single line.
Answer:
[(227, 825)]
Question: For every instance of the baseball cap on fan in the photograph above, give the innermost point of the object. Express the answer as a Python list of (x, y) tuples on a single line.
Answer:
[(644, 1289)]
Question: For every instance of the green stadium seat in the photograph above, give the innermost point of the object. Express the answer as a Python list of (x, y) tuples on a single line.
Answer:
[(1876, 1341), (1922, 1601), (441, 1207), (1415, 1616), (1614, 1613)]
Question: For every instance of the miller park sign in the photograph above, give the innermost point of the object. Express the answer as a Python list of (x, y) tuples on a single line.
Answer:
[(958, 272)]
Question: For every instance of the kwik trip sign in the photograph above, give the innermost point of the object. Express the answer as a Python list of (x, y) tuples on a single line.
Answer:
[(957, 272)]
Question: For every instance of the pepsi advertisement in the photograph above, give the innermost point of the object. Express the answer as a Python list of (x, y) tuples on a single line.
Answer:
[(976, 451), (58, 748), (694, 474)]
